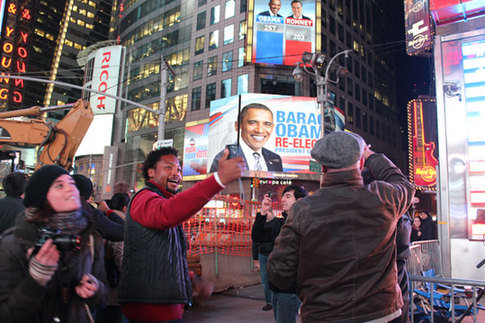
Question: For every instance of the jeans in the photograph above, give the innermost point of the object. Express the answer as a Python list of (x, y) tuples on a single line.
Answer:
[(268, 294), (285, 307)]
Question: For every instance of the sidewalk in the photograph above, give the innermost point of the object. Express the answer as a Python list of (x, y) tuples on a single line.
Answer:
[(244, 305), (240, 305)]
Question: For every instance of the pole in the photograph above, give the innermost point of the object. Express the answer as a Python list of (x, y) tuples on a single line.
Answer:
[(325, 92), (321, 99), (163, 93)]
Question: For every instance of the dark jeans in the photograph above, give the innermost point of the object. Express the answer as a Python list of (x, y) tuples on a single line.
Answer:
[(268, 294), (285, 307)]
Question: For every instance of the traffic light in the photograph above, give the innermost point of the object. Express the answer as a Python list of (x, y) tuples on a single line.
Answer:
[(255, 182)]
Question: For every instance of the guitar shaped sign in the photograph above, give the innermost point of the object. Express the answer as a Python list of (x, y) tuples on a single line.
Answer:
[(424, 161)]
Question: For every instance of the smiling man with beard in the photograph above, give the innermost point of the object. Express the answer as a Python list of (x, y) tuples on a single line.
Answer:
[(256, 122), (155, 284)]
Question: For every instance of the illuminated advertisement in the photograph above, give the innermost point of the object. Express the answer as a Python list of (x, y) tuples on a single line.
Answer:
[(423, 138), (276, 132), (14, 50), (283, 30), (195, 149), (474, 81), (417, 26), (105, 78)]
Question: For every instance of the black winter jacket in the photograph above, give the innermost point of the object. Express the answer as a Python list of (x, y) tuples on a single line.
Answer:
[(23, 300)]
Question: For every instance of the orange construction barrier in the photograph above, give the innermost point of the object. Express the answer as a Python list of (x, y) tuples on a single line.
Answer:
[(223, 226)]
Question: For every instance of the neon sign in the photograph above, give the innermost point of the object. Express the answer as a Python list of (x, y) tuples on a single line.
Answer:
[(14, 50)]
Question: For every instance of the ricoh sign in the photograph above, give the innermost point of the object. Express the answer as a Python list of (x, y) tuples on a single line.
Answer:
[(106, 72)]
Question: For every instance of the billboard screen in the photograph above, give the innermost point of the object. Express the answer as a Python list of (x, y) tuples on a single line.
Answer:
[(283, 30), (281, 129), (195, 149)]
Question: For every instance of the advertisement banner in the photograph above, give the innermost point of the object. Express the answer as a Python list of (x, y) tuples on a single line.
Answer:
[(195, 150), (280, 129), (417, 26), (283, 31), (106, 72), (423, 139)]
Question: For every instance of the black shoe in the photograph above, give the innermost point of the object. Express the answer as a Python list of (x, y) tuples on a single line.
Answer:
[(267, 307)]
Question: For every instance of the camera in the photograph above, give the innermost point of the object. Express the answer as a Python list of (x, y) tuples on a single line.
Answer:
[(63, 242)]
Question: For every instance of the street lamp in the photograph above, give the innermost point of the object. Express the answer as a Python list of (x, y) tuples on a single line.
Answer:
[(316, 62)]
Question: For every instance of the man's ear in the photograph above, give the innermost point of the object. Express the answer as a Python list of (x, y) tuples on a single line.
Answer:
[(151, 172), (236, 126), (362, 162)]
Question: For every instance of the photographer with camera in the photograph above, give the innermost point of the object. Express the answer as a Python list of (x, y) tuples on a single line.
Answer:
[(52, 266)]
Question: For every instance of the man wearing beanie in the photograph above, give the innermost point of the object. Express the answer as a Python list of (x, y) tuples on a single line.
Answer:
[(337, 248)]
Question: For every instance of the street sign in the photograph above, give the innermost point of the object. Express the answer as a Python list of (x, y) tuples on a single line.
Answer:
[(162, 143), (315, 167)]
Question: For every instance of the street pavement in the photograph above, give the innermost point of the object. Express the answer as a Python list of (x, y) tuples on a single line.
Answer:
[(244, 305), (238, 305)]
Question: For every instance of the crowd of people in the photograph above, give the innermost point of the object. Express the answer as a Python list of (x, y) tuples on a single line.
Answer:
[(336, 255)]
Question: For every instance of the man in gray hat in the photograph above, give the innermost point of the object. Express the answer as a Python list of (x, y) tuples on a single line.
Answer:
[(337, 247)]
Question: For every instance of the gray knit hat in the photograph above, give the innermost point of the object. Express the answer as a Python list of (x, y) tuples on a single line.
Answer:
[(338, 149)]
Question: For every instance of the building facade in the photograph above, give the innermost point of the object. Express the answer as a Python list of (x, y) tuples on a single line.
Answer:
[(205, 43)]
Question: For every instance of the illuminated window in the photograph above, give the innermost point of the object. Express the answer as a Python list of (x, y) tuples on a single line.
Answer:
[(214, 39), (240, 57), (242, 29), (50, 37), (215, 14), (39, 32), (242, 84), (80, 22), (212, 66), (226, 88), (199, 45), (228, 34), (227, 61), (90, 14), (230, 8), (69, 43)]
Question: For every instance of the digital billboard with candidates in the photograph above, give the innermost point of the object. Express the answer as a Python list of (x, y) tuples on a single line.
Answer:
[(195, 150), (282, 128), (283, 31)]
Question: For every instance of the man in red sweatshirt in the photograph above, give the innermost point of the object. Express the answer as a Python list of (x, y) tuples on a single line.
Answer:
[(155, 283)]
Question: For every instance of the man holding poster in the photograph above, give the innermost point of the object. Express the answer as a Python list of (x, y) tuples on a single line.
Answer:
[(256, 122)]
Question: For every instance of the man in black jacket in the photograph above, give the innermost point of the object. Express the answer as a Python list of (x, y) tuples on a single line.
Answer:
[(11, 205), (266, 228)]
